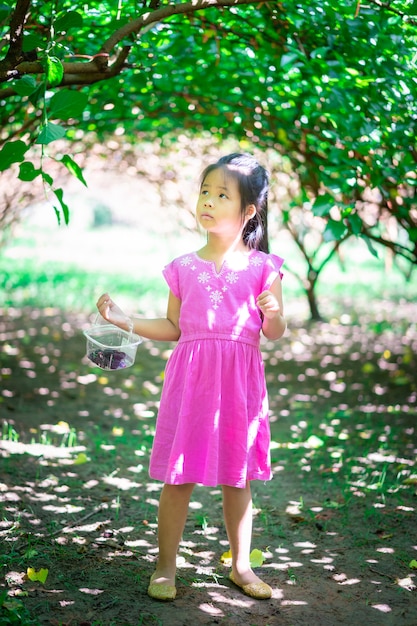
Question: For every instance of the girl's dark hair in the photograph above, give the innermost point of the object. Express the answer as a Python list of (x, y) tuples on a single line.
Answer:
[(253, 184)]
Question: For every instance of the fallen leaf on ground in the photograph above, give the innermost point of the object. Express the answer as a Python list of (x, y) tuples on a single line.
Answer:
[(226, 557), (256, 558), (40, 575), (80, 459)]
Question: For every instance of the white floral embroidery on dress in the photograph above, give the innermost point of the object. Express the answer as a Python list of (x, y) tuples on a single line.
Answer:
[(203, 277), (256, 260), (232, 277), (186, 261), (216, 297)]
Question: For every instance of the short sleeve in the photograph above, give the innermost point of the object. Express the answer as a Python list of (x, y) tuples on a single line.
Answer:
[(170, 273), (272, 269)]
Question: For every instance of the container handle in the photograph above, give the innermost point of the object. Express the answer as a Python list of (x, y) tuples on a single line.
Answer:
[(130, 324)]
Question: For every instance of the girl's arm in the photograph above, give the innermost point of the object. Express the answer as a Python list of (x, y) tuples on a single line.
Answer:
[(271, 305), (160, 329)]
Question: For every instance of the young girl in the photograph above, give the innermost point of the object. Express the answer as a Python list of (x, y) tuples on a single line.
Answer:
[(212, 426)]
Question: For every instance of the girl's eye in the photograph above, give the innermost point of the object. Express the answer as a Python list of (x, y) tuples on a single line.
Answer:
[(223, 195), (204, 192)]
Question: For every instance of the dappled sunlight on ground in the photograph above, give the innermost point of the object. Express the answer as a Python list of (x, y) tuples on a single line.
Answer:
[(335, 525)]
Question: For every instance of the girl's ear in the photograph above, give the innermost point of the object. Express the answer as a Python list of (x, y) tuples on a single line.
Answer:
[(250, 211)]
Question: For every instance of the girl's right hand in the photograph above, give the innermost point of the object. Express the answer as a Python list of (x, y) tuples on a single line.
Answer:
[(111, 312)]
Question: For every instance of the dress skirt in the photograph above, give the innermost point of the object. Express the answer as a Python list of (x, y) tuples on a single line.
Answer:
[(212, 426)]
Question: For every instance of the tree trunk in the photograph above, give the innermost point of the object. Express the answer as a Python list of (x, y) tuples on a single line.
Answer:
[(310, 285)]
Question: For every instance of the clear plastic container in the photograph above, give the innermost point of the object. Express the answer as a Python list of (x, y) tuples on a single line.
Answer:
[(110, 347)]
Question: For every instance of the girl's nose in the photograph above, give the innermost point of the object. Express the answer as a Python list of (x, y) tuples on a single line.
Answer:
[(208, 201)]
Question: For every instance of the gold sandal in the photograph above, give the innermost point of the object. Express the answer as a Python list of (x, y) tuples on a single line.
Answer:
[(161, 591), (259, 591)]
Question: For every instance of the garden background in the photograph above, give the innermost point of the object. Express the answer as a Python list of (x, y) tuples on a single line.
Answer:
[(118, 157)]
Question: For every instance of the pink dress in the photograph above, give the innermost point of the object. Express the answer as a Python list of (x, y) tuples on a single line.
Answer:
[(212, 426)]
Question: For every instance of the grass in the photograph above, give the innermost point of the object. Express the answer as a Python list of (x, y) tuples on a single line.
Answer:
[(65, 286), (68, 267), (14, 612)]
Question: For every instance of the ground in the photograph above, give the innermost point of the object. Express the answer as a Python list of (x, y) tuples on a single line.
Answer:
[(336, 525)]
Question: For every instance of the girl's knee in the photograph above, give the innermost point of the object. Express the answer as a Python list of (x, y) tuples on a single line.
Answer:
[(180, 490)]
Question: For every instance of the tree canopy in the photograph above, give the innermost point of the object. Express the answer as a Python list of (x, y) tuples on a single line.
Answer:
[(330, 86)]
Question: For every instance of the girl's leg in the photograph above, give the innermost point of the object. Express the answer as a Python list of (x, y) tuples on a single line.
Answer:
[(237, 509), (172, 515)]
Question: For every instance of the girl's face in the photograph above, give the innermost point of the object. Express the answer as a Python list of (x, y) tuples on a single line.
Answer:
[(219, 205)]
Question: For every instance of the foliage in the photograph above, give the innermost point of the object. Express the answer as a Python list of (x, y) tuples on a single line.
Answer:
[(330, 86), (12, 611)]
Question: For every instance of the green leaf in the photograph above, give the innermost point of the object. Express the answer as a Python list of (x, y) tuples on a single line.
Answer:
[(54, 71), (332, 504), (334, 230), (71, 19), (320, 52), (58, 215), (65, 210), (67, 103), (28, 172), (74, 168), (289, 58), (47, 178), (371, 248), (12, 152), (32, 41), (352, 71), (40, 575), (25, 85), (4, 12), (256, 558), (412, 233), (37, 94), (355, 223), (323, 205), (329, 134), (50, 132)]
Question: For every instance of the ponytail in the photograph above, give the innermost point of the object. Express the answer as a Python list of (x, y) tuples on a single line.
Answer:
[(255, 233)]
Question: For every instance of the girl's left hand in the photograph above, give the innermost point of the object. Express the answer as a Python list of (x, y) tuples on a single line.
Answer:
[(268, 304)]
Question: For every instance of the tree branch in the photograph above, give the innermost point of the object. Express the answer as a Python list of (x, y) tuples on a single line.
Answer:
[(17, 22), (153, 17), (387, 5), (395, 247), (98, 68)]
